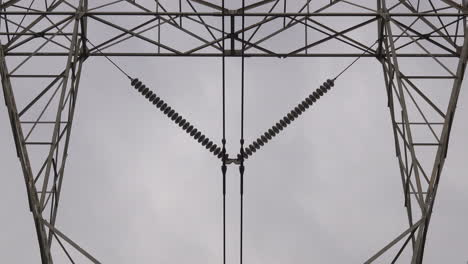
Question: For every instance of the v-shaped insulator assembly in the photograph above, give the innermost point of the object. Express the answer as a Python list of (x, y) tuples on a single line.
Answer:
[(212, 147), (286, 120), (176, 118)]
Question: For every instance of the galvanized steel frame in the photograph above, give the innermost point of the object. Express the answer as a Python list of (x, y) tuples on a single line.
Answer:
[(63, 28)]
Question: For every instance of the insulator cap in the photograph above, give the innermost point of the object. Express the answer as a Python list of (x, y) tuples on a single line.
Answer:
[(267, 135), (298, 109), (213, 148), (197, 135), (316, 95), (240, 156), (168, 108), (248, 151), (312, 97), (294, 113), (193, 132), (209, 144), (134, 81), (260, 141), (151, 98), (271, 132), (138, 85), (186, 125), (205, 141), (319, 92), (264, 139), (149, 94), (302, 106), (252, 148), (170, 113), (275, 128), (283, 124), (201, 138), (156, 100), (256, 145), (217, 151)]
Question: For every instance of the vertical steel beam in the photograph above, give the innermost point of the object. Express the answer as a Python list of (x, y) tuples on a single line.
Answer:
[(442, 149), (57, 155), (397, 74), (394, 81), (73, 53), (21, 150)]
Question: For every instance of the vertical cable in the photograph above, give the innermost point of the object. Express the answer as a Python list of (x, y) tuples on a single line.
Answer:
[(241, 167), (306, 26), (159, 26), (180, 11), (223, 167), (284, 18)]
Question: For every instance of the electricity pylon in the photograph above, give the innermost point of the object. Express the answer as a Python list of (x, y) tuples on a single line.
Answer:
[(421, 44)]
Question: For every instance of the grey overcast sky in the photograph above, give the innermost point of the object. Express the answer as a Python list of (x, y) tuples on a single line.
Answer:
[(327, 190)]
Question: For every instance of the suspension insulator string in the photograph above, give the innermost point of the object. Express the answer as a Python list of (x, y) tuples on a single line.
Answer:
[(168, 111), (177, 118), (296, 112), (287, 119)]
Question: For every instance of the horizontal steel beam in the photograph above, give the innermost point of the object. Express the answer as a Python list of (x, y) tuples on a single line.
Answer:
[(278, 55), (219, 14)]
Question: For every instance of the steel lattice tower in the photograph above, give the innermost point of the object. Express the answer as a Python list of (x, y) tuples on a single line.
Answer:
[(406, 33)]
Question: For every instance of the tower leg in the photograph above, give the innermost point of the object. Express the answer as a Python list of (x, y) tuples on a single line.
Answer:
[(43, 155), (421, 121)]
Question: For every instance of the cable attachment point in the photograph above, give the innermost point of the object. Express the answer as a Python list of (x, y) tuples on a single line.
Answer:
[(224, 170), (242, 169), (241, 172), (235, 161), (241, 166)]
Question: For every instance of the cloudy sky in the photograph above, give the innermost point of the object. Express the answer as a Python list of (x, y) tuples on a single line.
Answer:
[(327, 190)]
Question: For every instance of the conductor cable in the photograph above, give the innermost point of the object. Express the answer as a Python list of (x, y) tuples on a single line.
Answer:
[(223, 166), (241, 166)]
